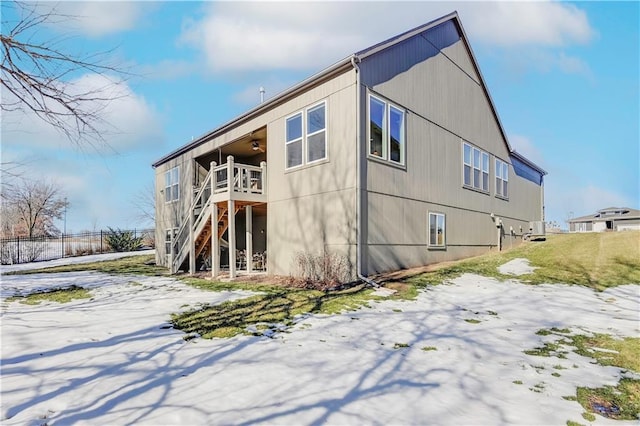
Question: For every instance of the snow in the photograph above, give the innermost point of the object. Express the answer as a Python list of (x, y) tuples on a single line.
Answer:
[(112, 359), (71, 261), (518, 266)]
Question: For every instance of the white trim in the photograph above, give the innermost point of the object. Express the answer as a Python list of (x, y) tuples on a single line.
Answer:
[(386, 131), (502, 165), (444, 230), (304, 143), (479, 167), (168, 189)]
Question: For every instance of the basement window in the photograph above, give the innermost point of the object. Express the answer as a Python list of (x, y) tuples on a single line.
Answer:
[(436, 230)]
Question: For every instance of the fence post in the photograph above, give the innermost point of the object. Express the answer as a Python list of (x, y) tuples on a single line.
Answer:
[(62, 245), (18, 249), (101, 250)]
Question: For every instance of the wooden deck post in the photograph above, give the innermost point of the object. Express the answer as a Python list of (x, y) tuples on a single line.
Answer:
[(249, 237)]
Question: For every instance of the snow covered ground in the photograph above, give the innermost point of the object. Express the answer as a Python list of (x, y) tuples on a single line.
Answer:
[(114, 360), (71, 260)]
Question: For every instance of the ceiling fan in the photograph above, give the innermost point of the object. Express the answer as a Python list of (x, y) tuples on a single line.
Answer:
[(255, 145)]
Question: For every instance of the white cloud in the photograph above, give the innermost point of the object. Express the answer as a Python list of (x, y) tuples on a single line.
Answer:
[(126, 120), (525, 147), (95, 18), (300, 35)]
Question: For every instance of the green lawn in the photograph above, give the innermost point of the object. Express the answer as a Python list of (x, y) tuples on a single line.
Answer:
[(596, 260), (140, 265)]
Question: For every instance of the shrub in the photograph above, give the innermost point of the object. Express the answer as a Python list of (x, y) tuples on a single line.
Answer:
[(321, 271), (121, 241)]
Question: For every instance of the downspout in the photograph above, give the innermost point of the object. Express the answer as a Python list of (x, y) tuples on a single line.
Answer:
[(359, 236)]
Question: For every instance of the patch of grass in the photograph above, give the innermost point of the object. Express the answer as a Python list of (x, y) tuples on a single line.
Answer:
[(621, 402), (60, 295), (517, 382), (538, 388), (472, 321), (570, 398), (617, 402), (492, 313), (138, 265), (548, 349), (429, 348), (397, 310), (589, 417), (276, 305), (559, 367), (572, 423), (598, 260), (400, 345), (556, 374), (621, 353)]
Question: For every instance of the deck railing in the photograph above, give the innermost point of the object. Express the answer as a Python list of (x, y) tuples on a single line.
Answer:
[(245, 179)]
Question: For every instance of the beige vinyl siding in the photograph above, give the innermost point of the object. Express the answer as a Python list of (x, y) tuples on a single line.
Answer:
[(294, 197), (446, 107)]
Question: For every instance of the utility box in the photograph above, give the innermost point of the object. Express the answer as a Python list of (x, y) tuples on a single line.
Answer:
[(537, 230)]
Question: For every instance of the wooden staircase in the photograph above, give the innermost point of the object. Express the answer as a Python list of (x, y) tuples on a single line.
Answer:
[(203, 240)]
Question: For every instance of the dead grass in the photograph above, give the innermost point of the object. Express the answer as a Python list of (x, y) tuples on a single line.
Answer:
[(595, 260)]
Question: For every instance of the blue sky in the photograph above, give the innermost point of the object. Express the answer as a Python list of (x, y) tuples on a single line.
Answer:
[(563, 76)]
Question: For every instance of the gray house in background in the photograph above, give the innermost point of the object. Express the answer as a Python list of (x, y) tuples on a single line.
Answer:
[(393, 157), (609, 219)]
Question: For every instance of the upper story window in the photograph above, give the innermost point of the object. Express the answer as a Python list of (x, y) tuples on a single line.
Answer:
[(386, 131), (502, 179), (172, 184), (475, 167), (306, 136)]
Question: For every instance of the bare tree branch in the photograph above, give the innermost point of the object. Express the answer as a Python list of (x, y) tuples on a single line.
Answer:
[(36, 77)]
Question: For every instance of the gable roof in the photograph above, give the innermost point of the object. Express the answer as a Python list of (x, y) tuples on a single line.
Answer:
[(342, 66), (600, 215)]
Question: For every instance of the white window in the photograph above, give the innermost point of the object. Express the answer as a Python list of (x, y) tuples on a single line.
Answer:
[(502, 179), (172, 185), (475, 167), (169, 235), (436, 230), (386, 131), (306, 136)]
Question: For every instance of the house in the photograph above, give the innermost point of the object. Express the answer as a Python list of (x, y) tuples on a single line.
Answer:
[(609, 219), (393, 157)]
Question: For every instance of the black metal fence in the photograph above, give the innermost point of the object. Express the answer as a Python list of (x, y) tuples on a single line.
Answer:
[(23, 249)]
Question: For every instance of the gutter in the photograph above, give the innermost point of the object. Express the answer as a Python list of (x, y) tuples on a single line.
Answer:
[(359, 235), (281, 97)]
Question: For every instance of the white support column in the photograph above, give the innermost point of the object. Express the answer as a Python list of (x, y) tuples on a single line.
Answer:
[(263, 176), (230, 177), (192, 245), (215, 242), (231, 232), (249, 237), (215, 238)]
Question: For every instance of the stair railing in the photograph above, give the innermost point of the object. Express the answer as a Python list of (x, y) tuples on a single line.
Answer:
[(201, 200)]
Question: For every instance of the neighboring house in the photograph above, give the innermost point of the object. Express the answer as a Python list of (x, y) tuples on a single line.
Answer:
[(393, 157), (609, 219)]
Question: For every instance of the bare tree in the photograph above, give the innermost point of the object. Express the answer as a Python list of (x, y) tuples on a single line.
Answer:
[(35, 76), (33, 206), (144, 204)]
